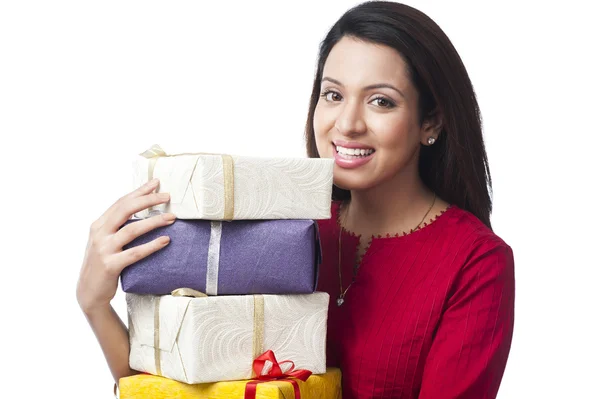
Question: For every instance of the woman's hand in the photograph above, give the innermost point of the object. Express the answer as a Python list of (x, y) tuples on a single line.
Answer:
[(104, 256)]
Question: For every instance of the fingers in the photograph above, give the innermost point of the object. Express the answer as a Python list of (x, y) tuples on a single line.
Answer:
[(133, 205), (127, 206), (133, 230), (119, 261), (145, 189)]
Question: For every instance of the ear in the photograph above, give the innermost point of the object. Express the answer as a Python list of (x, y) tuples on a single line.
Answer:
[(431, 127)]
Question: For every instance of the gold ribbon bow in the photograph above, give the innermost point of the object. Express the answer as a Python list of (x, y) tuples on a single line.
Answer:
[(155, 152), (259, 322)]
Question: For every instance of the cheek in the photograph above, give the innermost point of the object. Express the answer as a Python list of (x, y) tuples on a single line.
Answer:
[(322, 126), (320, 121), (398, 134), (397, 142)]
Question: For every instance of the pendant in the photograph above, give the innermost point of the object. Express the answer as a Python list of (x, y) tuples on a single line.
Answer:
[(340, 301)]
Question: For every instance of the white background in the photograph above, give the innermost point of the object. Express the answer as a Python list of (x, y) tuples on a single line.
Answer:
[(86, 86)]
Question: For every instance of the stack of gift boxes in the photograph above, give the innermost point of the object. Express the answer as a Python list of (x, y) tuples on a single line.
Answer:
[(212, 313)]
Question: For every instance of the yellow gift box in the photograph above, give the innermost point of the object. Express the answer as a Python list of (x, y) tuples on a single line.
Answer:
[(143, 386)]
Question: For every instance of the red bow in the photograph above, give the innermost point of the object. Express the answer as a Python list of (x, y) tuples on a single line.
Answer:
[(274, 374)]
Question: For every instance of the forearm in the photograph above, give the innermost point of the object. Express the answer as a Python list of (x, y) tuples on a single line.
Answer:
[(113, 338), (105, 260)]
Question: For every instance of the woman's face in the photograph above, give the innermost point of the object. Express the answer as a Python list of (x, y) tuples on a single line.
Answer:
[(367, 115)]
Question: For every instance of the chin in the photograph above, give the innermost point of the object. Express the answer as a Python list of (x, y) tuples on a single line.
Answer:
[(355, 183)]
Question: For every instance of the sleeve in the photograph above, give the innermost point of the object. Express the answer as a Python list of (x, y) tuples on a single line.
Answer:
[(471, 345)]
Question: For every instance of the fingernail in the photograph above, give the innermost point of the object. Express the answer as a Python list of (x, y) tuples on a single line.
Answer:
[(164, 240), (169, 217), (164, 196), (152, 182)]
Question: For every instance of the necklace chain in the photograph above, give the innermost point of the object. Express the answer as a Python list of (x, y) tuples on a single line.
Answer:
[(343, 291)]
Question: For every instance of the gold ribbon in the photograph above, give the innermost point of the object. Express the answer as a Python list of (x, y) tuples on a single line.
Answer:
[(257, 336), (155, 152), (188, 292), (157, 335), (259, 325)]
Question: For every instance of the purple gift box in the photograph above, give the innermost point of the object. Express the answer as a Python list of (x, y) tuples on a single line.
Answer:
[(228, 258)]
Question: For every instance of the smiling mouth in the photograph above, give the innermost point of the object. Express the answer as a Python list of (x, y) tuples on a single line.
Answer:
[(353, 153)]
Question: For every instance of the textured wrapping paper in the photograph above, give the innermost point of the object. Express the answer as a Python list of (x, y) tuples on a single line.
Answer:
[(261, 188), (211, 339), (323, 386), (229, 258)]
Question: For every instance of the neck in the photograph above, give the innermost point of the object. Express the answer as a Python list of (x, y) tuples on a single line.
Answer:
[(397, 205)]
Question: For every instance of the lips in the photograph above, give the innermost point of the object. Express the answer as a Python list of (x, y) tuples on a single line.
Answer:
[(351, 144), (352, 155), (349, 149), (356, 152)]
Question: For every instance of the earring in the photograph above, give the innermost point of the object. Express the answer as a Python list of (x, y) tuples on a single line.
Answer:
[(431, 140)]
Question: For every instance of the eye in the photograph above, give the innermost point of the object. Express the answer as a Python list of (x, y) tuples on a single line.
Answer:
[(383, 102), (330, 95)]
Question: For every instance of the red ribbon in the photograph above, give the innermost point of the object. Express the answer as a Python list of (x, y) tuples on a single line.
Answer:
[(274, 374)]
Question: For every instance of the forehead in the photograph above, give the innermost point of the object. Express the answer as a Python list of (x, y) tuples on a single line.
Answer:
[(356, 62)]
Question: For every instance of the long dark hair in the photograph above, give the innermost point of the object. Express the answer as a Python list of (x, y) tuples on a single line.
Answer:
[(456, 166)]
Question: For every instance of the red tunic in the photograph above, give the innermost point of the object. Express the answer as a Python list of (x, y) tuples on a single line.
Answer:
[(430, 314)]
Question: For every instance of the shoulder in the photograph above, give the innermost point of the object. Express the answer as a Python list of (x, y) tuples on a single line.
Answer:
[(485, 256), (471, 231)]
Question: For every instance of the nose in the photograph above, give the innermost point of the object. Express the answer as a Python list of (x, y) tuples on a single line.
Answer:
[(350, 121)]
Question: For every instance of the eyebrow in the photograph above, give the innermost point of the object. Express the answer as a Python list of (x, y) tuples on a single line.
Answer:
[(370, 87)]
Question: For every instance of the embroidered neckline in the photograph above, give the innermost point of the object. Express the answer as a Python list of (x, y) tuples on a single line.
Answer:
[(387, 235), (357, 262)]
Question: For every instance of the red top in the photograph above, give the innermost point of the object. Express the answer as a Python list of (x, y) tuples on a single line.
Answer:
[(430, 314)]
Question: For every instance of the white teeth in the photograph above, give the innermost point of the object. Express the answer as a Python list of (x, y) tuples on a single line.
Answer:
[(354, 151)]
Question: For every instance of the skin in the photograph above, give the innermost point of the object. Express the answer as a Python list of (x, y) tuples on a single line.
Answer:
[(387, 192), (104, 261)]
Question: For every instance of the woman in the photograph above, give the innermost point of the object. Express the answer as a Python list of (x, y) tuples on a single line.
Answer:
[(422, 290)]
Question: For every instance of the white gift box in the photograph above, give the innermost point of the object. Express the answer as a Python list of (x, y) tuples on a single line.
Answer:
[(206, 186), (210, 339)]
